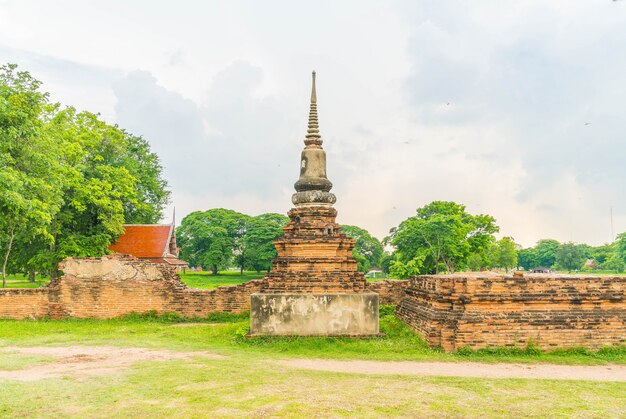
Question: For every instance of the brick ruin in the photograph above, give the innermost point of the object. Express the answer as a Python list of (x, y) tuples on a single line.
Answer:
[(117, 285), (449, 311), (549, 311)]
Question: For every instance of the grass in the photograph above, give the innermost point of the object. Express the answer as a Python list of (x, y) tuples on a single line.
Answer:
[(248, 383), (209, 281), (226, 334), (21, 281)]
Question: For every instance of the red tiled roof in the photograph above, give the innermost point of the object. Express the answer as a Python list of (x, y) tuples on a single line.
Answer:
[(143, 241)]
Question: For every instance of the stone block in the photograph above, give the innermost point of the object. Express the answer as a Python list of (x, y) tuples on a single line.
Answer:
[(314, 314)]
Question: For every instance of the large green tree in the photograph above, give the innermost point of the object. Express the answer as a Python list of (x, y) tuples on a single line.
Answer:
[(68, 180), (570, 256), (209, 238), (504, 253), (440, 237), (546, 252), (29, 168), (368, 250)]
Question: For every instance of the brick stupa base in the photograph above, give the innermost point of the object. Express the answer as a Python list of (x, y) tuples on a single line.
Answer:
[(314, 287)]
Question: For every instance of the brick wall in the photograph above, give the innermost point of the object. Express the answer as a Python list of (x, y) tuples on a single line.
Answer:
[(114, 286), (390, 291), (552, 311), (23, 303)]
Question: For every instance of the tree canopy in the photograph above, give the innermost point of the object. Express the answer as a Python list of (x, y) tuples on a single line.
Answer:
[(68, 180), (439, 238), (368, 250), (219, 238)]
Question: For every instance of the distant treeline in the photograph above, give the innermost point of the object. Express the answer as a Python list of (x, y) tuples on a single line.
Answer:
[(443, 237), (68, 180)]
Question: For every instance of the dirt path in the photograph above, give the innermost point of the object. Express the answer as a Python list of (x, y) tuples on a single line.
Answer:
[(81, 361), (466, 369)]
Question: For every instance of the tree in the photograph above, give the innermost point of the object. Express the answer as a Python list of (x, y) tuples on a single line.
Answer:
[(368, 250), (28, 163), (546, 252), (68, 181), (527, 258), (570, 256), (614, 263), (261, 232), (620, 246), (440, 237), (506, 253), (208, 238)]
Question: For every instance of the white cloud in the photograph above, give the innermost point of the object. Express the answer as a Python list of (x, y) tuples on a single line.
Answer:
[(484, 103)]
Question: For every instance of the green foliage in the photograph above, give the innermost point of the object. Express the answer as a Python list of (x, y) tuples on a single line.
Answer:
[(368, 250), (504, 253), (69, 181), (570, 256), (209, 238), (258, 241), (218, 238), (440, 237), (475, 262), (620, 246), (546, 252), (614, 263), (527, 258)]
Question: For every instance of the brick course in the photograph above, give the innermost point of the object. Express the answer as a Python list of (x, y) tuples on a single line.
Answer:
[(551, 311), (117, 285)]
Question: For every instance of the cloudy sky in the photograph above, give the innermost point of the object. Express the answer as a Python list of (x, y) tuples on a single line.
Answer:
[(513, 108)]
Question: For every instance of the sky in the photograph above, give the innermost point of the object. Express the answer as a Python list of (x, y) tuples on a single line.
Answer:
[(516, 109)]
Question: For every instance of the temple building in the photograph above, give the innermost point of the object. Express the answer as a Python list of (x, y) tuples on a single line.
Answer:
[(314, 287), (154, 243)]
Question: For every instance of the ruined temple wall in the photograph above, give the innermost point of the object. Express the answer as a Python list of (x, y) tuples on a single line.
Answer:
[(23, 303), (549, 311), (115, 286)]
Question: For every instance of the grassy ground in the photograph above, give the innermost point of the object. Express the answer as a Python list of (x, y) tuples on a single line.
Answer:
[(21, 281), (208, 280), (247, 382)]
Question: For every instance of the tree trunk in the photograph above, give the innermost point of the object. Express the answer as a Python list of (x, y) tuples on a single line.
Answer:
[(54, 263), (241, 270), (214, 269), (6, 256), (31, 276)]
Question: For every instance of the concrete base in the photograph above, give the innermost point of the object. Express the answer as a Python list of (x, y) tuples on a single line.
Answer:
[(314, 314)]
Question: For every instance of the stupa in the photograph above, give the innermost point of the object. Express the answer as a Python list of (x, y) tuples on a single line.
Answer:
[(314, 287)]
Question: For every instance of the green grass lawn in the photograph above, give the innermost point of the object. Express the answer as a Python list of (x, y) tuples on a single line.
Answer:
[(209, 281), (248, 382), (21, 281)]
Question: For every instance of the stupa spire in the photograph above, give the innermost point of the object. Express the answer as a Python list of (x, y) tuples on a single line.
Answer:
[(313, 187), (313, 137)]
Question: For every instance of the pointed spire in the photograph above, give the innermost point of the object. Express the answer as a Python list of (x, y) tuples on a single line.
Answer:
[(313, 132)]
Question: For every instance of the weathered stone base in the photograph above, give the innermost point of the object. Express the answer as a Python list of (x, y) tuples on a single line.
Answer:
[(314, 314)]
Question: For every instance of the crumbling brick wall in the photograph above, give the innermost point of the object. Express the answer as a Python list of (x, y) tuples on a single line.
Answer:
[(390, 291), (114, 286), (550, 311), (117, 285)]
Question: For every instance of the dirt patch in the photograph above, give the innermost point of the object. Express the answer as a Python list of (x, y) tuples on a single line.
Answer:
[(85, 361), (466, 369)]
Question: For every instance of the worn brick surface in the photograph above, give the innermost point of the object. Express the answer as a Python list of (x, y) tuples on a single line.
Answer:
[(117, 285), (114, 286), (551, 311), (314, 256)]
